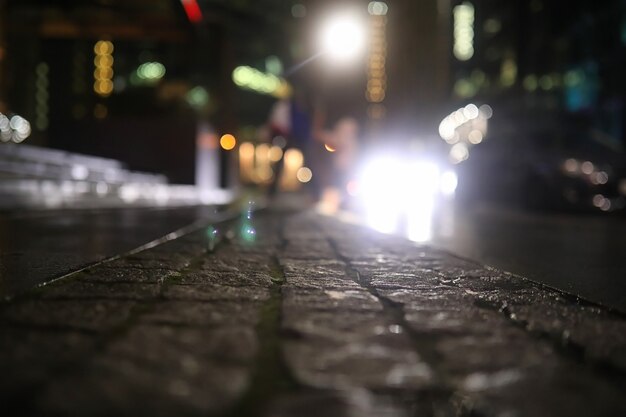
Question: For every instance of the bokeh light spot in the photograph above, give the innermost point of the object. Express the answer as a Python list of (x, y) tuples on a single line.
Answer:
[(304, 175), (228, 142)]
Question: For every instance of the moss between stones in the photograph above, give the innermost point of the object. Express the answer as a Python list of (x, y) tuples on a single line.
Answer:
[(270, 376)]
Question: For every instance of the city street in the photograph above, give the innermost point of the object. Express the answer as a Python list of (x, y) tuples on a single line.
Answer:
[(293, 313), (312, 208)]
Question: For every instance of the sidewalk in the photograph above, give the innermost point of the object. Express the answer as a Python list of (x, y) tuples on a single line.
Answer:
[(297, 314)]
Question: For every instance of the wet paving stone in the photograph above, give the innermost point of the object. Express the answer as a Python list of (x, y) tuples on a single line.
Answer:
[(313, 316), (231, 278), (194, 313), (85, 315), (101, 290), (30, 358), (128, 275), (215, 292), (116, 384), (353, 402)]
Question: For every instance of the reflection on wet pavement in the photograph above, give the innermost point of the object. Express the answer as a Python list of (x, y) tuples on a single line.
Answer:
[(580, 254), (247, 231), (37, 246), (213, 237)]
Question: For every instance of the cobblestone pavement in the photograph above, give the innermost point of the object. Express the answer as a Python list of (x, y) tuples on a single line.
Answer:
[(296, 314)]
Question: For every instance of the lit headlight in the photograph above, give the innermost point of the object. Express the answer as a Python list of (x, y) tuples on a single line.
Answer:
[(392, 189), (382, 193)]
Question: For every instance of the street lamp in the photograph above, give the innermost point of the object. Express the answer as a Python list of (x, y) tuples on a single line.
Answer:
[(342, 37)]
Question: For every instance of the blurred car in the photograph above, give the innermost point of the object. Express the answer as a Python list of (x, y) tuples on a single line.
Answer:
[(546, 162), (402, 189)]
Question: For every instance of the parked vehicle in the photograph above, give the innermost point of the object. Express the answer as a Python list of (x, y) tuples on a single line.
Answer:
[(547, 162)]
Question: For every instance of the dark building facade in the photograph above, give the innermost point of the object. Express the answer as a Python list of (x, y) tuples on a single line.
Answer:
[(552, 56), (131, 80)]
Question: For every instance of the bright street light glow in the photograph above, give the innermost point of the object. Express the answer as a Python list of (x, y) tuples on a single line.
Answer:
[(343, 37), (396, 191)]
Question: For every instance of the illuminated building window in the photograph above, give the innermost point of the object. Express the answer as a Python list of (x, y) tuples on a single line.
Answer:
[(530, 82), (377, 8), (508, 72), (41, 96), (251, 79), (463, 48), (465, 88), (151, 71), (103, 72), (376, 74), (546, 83)]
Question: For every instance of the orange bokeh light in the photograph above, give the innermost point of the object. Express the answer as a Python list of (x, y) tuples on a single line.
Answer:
[(228, 142)]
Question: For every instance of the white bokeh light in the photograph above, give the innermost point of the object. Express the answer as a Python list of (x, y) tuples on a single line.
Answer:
[(343, 37)]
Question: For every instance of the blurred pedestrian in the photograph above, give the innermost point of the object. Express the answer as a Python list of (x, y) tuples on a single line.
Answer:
[(290, 118), (341, 142)]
